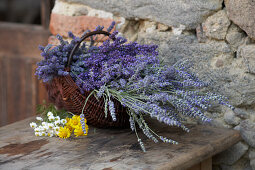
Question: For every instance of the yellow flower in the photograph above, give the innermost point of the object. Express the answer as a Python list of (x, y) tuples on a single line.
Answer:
[(64, 132), (69, 127), (76, 117), (68, 124), (75, 121), (78, 132)]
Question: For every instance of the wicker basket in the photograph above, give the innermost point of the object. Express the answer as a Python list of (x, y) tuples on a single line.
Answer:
[(64, 93)]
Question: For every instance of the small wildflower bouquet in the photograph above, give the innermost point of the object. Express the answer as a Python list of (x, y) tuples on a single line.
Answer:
[(125, 75), (58, 123)]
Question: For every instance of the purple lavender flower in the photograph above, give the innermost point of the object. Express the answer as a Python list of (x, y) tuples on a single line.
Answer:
[(101, 91), (164, 139), (141, 145), (112, 110), (83, 123), (111, 26), (132, 123)]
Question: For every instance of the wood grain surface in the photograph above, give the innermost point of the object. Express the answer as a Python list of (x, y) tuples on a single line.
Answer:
[(110, 149), (20, 90)]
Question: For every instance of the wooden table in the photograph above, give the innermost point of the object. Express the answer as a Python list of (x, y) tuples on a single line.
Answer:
[(109, 149)]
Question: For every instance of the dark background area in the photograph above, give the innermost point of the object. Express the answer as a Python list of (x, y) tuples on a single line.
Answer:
[(23, 27), (21, 11)]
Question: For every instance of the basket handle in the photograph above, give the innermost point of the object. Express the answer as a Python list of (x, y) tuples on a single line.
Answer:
[(70, 57)]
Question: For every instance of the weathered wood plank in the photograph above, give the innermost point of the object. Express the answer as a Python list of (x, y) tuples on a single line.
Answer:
[(28, 90), (111, 148), (34, 95), (16, 82), (20, 89), (206, 164), (3, 93), (22, 102), (12, 89), (196, 167), (22, 40), (18, 86)]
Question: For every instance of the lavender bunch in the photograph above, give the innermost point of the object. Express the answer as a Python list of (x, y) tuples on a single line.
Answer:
[(134, 75), (165, 93), (111, 61), (55, 59)]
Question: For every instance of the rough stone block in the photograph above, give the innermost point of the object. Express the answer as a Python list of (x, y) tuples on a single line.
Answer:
[(68, 9), (252, 153), (216, 26), (235, 36), (130, 29), (241, 90), (171, 12), (242, 164), (162, 27), (252, 163), (231, 155), (247, 130), (247, 52), (222, 60), (201, 37), (175, 47), (252, 157), (242, 113), (230, 118), (229, 79), (242, 13)]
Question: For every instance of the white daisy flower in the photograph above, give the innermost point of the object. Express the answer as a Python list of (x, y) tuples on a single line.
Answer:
[(56, 128), (57, 122), (40, 133), (39, 118), (57, 118), (42, 128), (51, 118), (49, 114), (45, 128), (50, 133), (43, 133), (37, 133), (37, 129), (50, 125), (63, 121), (44, 123), (33, 125)]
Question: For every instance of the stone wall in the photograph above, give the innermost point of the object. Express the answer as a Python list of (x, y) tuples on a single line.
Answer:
[(218, 36)]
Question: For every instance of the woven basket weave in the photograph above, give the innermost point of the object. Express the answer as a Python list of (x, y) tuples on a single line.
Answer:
[(64, 93)]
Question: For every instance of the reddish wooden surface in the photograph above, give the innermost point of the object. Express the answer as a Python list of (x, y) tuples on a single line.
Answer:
[(113, 149), (21, 40), (204, 165), (20, 90)]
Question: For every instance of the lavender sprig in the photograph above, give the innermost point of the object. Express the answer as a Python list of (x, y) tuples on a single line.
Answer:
[(83, 123), (112, 110)]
